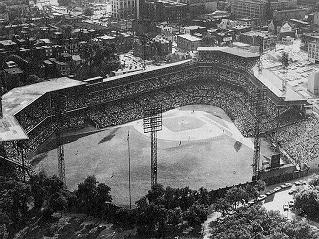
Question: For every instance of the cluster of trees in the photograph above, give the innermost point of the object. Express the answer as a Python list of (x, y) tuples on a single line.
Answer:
[(88, 11), (255, 222), (65, 3), (307, 199), (170, 211), (99, 60), (162, 212), (238, 196), (42, 196)]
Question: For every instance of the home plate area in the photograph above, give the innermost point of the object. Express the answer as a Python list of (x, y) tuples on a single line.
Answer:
[(190, 124)]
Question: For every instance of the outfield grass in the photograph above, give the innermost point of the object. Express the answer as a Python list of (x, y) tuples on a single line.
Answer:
[(210, 162)]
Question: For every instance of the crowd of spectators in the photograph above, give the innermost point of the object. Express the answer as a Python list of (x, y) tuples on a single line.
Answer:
[(108, 106), (300, 140), (223, 95), (220, 58), (33, 114)]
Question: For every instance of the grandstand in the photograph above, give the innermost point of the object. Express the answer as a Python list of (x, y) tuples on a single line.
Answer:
[(224, 77)]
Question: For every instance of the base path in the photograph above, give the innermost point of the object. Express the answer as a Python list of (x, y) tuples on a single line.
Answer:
[(198, 147)]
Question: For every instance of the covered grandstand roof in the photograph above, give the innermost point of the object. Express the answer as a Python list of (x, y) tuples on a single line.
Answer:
[(274, 84), (231, 50), (153, 68), (10, 129), (18, 98)]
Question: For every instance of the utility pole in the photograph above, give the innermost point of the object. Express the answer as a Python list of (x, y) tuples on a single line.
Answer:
[(1, 93), (129, 168)]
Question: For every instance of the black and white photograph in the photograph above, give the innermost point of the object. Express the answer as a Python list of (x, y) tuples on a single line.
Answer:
[(171, 119)]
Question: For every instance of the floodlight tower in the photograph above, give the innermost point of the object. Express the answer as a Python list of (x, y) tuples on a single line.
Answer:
[(152, 123), (258, 102), (59, 142)]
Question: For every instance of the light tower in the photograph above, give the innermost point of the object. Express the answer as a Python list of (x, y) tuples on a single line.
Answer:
[(153, 123), (258, 101), (58, 112)]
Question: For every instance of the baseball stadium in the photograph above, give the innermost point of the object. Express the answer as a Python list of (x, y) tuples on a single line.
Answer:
[(223, 119)]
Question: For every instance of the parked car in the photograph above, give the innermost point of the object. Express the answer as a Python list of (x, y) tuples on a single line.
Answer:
[(291, 204), (288, 184), (276, 189), (261, 197), (291, 191), (286, 207), (269, 192)]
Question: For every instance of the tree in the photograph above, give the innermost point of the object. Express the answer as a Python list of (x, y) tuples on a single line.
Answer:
[(195, 216), (14, 198), (67, 30), (65, 3), (285, 59), (256, 222), (236, 195), (307, 202), (208, 40), (222, 205), (314, 181), (92, 195), (58, 202), (33, 79), (88, 12), (99, 60)]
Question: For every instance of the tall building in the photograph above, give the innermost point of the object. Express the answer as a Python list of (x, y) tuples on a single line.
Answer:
[(197, 7), (163, 10), (259, 8), (124, 9), (248, 8)]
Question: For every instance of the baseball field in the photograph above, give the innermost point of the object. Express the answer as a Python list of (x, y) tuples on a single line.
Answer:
[(199, 146)]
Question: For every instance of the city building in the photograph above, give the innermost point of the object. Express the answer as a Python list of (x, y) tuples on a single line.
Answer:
[(163, 10), (188, 42), (259, 8), (287, 29), (12, 77), (248, 8), (313, 51), (307, 38), (316, 18), (191, 30), (307, 2), (259, 38), (197, 7), (157, 46), (124, 9), (286, 14), (248, 22), (313, 83)]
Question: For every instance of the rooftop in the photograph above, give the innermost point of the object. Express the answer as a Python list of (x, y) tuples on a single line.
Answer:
[(18, 98), (190, 37), (13, 70), (274, 83), (258, 33), (10, 129), (231, 50), (194, 27)]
